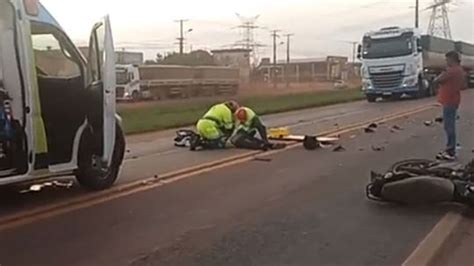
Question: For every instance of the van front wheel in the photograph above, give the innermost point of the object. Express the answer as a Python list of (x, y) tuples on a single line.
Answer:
[(91, 174)]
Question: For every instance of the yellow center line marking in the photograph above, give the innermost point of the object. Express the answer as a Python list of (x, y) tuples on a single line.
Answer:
[(80, 202)]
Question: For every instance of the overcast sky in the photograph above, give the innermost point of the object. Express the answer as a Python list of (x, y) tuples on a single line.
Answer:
[(320, 26)]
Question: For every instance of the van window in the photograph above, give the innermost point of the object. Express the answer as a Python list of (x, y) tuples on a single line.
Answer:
[(96, 53), (52, 57)]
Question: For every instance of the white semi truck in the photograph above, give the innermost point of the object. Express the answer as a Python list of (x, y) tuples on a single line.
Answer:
[(57, 108), (128, 83), (401, 61)]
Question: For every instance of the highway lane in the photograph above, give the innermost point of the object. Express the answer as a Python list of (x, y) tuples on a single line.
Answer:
[(152, 155), (301, 208)]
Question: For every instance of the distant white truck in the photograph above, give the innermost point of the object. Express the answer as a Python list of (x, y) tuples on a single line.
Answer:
[(128, 83), (401, 61)]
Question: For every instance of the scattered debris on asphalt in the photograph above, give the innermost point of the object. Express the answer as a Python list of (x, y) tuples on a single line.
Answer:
[(325, 145), (336, 124), (339, 148), (260, 159), (373, 125), (127, 151), (155, 177), (397, 127), (428, 123), (149, 182), (53, 184), (352, 136), (361, 149), (378, 148), (439, 120), (369, 130), (311, 143)]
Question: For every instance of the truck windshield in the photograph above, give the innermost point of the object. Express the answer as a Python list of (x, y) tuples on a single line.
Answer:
[(122, 77), (389, 47)]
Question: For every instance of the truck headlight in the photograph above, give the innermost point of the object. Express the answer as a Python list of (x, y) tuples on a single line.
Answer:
[(411, 70), (364, 72), (367, 84), (410, 81)]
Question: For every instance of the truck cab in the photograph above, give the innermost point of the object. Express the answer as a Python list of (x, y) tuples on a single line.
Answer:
[(57, 107), (392, 64), (128, 83)]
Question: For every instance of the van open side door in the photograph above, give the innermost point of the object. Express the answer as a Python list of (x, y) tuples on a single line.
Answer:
[(101, 68)]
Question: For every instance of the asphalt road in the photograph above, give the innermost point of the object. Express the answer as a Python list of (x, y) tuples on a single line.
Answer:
[(153, 154), (300, 208)]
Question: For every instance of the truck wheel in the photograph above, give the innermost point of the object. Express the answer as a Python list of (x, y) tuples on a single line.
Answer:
[(135, 96), (371, 98), (470, 81), (424, 90), (92, 176)]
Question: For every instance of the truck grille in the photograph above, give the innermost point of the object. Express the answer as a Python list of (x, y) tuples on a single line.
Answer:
[(120, 91), (387, 80)]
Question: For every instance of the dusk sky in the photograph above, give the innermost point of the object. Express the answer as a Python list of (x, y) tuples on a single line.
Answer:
[(320, 26)]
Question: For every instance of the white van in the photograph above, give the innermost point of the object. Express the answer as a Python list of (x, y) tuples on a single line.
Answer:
[(57, 109)]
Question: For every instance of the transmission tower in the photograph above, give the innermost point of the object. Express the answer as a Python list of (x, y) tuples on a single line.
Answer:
[(439, 20), (248, 26)]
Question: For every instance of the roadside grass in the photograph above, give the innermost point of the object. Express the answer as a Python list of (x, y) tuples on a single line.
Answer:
[(159, 116)]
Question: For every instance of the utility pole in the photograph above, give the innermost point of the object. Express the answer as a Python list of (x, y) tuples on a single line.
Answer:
[(287, 68), (274, 76), (181, 35), (417, 14), (354, 51), (288, 37)]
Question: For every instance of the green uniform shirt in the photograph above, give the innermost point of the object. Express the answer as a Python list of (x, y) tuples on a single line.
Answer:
[(248, 124), (222, 115)]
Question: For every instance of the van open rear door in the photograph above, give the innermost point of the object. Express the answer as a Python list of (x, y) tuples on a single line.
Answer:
[(20, 77), (102, 74)]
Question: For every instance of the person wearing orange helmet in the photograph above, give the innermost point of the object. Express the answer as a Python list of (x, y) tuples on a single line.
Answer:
[(216, 127), (249, 124)]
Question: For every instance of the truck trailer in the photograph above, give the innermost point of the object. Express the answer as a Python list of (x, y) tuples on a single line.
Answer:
[(172, 81), (401, 61)]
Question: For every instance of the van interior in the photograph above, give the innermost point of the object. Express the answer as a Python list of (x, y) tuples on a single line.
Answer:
[(61, 81)]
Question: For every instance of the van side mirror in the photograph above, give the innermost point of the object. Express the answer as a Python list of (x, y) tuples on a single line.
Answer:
[(359, 51)]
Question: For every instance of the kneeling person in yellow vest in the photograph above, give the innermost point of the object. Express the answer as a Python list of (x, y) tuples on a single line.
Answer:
[(216, 127), (249, 124)]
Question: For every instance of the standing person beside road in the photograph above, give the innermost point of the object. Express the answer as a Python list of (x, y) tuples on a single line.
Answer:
[(451, 82), (216, 127), (249, 124)]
